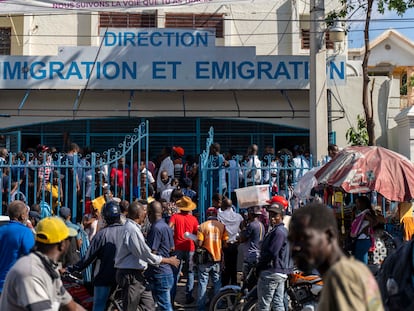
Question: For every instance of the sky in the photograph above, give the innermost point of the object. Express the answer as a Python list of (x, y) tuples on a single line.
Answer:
[(380, 23)]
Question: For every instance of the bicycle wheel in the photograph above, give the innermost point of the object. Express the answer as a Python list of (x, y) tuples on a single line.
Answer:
[(250, 305), (226, 300), (115, 305), (115, 300)]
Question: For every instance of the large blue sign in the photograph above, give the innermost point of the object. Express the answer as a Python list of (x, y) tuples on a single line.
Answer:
[(161, 59)]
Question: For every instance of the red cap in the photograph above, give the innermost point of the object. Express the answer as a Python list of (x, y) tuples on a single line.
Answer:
[(278, 199), (211, 210), (178, 150)]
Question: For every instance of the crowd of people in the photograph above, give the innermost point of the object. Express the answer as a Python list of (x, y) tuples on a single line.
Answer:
[(50, 177), (145, 246), (137, 250)]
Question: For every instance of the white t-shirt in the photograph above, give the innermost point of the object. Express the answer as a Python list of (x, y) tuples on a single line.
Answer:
[(232, 221)]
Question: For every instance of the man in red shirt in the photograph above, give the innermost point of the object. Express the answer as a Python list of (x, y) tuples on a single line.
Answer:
[(120, 176), (183, 222)]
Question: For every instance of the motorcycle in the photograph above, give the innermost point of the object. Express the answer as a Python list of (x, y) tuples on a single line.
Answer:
[(74, 285), (303, 290), (302, 294)]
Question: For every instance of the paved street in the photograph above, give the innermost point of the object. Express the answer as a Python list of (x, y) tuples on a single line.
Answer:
[(180, 298)]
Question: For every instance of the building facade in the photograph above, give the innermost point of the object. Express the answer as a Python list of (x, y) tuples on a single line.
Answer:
[(241, 67)]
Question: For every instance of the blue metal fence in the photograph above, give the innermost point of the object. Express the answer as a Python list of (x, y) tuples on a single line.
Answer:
[(223, 175), (84, 177), (59, 179)]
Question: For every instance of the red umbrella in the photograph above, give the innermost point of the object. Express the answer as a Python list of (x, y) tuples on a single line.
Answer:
[(361, 169)]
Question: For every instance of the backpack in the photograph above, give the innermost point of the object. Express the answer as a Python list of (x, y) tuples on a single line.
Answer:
[(202, 256), (395, 279)]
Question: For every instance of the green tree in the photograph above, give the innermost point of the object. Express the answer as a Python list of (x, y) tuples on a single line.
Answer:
[(349, 7), (358, 136)]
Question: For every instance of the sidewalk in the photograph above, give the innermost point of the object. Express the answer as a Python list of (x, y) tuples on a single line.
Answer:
[(180, 297)]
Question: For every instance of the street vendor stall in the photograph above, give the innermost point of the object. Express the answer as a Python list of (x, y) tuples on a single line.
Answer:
[(371, 170)]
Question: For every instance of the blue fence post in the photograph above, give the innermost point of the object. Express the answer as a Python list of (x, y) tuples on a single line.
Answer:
[(204, 184), (30, 174)]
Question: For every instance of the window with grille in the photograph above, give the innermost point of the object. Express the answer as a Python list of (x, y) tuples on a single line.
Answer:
[(126, 20), (5, 41), (306, 40), (189, 20)]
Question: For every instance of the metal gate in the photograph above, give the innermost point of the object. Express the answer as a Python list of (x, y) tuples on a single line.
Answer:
[(75, 180), (223, 175)]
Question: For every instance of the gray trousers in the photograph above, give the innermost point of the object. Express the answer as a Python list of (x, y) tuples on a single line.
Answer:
[(135, 290)]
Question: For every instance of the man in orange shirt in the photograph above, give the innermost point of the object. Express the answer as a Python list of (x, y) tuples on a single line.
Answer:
[(211, 235)]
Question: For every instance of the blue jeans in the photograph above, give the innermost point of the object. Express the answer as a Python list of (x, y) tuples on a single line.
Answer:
[(270, 291), (204, 272), (100, 297), (185, 257), (362, 247), (161, 285)]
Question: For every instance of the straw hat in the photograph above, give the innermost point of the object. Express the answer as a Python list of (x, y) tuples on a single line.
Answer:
[(185, 204)]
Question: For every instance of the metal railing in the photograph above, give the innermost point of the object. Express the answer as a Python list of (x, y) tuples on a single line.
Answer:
[(223, 175), (74, 180)]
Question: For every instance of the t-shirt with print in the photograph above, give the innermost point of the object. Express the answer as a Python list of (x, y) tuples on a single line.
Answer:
[(349, 285), (212, 233)]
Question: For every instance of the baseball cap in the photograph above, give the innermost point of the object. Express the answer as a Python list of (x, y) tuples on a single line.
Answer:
[(212, 210), (178, 150), (64, 212), (276, 208), (278, 199), (52, 230)]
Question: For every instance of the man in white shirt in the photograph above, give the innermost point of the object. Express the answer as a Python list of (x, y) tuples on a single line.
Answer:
[(232, 220), (166, 194), (300, 163), (253, 173), (166, 165)]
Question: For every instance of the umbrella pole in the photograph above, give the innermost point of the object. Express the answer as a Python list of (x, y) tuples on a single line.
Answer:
[(339, 200)]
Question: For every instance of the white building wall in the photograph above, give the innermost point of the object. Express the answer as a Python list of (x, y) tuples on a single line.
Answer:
[(405, 132), (49, 32), (16, 23), (272, 26)]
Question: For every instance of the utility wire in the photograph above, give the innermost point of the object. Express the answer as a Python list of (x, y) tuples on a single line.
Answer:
[(284, 32), (362, 20)]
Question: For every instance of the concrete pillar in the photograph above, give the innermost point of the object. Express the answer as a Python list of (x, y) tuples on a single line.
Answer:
[(405, 129), (318, 126), (410, 88)]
